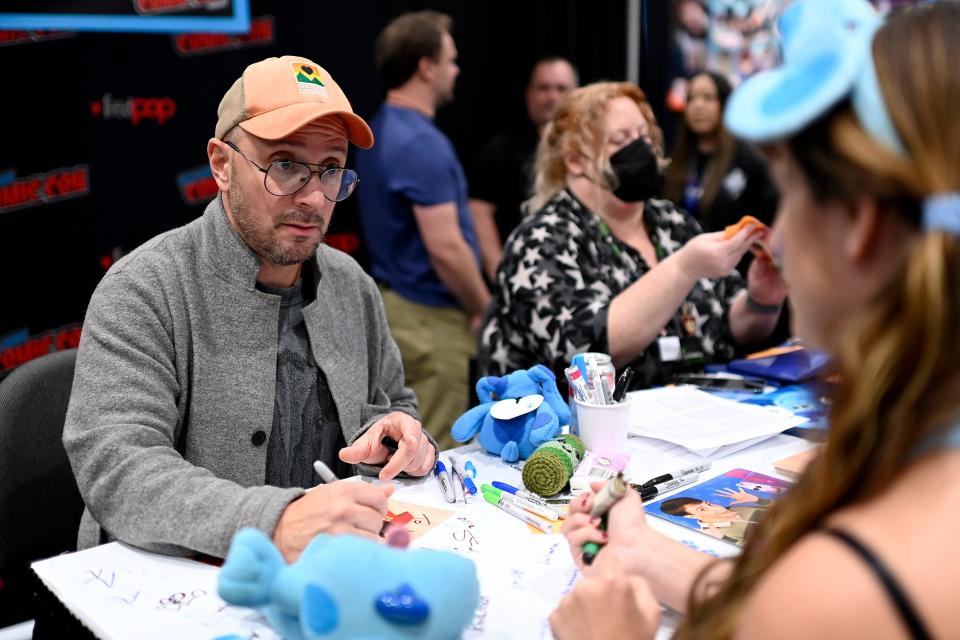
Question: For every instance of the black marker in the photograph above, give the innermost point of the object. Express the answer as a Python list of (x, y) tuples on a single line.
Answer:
[(679, 473), (623, 383), (391, 444), (648, 493)]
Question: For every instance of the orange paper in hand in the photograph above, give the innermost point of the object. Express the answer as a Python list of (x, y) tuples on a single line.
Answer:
[(758, 248), (735, 228)]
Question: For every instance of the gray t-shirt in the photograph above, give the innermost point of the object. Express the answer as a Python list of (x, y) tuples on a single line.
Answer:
[(306, 426)]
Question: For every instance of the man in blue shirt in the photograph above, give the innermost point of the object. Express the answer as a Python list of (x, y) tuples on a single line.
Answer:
[(416, 220)]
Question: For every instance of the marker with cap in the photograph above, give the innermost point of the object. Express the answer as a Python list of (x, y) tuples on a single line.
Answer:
[(575, 379), (516, 511), (614, 489), (440, 472), (523, 503), (602, 394), (652, 491), (461, 473), (623, 383), (532, 497), (580, 362), (698, 468), (324, 472)]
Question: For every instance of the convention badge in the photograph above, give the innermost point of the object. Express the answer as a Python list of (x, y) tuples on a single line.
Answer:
[(514, 407), (735, 182), (669, 347)]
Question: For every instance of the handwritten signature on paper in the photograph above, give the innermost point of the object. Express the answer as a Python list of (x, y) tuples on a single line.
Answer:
[(465, 536), (480, 615), (100, 576), (516, 578), (548, 557), (199, 606), (179, 600)]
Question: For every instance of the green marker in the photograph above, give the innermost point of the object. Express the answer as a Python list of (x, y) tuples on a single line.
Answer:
[(523, 503), (612, 491), (591, 549), (516, 511)]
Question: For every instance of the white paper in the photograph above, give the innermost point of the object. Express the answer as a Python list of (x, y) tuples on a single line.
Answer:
[(120, 592), (523, 574), (517, 596), (703, 423)]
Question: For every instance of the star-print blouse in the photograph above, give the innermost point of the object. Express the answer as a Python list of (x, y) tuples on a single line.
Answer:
[(559, 272)]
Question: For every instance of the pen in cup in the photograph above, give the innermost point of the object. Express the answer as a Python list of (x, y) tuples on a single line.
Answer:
[(601, 392), (577, 383), (623, 383)]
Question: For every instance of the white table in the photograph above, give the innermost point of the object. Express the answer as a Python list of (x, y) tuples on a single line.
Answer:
[(523, 574)]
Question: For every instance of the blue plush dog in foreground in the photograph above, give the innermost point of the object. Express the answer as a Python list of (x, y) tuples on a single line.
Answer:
[(347, 587), (520, 430)]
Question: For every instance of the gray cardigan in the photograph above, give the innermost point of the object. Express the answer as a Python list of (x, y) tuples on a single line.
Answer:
[(176, 372)]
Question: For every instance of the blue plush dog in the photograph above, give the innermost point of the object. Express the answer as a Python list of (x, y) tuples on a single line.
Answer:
[(517, 436), (347, 587)]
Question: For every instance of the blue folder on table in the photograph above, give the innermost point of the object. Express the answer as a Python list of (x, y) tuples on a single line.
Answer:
[(794, 366)]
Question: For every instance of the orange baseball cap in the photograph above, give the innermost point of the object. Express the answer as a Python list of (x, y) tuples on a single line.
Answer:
[(277, 96)]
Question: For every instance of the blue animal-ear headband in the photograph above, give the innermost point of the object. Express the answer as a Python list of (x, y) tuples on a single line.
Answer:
[(827, 57)]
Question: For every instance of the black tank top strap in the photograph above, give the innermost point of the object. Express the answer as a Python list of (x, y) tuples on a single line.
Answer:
[(900, 600)]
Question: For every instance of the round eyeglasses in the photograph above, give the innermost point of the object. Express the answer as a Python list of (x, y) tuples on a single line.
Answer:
[(286, 177)]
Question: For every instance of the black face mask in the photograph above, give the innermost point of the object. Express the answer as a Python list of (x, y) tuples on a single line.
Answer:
[(637, 171)]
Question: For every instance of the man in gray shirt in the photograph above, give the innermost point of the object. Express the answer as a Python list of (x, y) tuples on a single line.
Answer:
[(219, 360)]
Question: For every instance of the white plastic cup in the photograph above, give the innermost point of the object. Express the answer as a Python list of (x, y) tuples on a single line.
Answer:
[(603, 427)]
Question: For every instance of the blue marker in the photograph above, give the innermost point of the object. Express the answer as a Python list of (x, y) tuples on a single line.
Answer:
[(440, 472), (469, 468), (462, 474), (532, 497), (581, 363)]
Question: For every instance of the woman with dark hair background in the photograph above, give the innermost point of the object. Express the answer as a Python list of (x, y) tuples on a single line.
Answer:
[(715, 177)]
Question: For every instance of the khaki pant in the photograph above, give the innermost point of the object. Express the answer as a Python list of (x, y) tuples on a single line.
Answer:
[(436, 346)]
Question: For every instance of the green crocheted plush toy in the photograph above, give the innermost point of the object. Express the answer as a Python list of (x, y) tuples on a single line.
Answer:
[(548, 470)]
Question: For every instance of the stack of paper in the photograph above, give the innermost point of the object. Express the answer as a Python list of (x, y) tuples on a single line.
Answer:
[(705, 424), (117, 591)]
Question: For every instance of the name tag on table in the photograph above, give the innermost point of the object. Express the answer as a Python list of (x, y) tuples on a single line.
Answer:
[(670, 350)]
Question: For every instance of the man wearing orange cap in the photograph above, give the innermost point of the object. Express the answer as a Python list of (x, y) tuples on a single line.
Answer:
[(220, 360)]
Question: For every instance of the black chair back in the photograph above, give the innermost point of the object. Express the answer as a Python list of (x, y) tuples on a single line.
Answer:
[(40, 506)]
